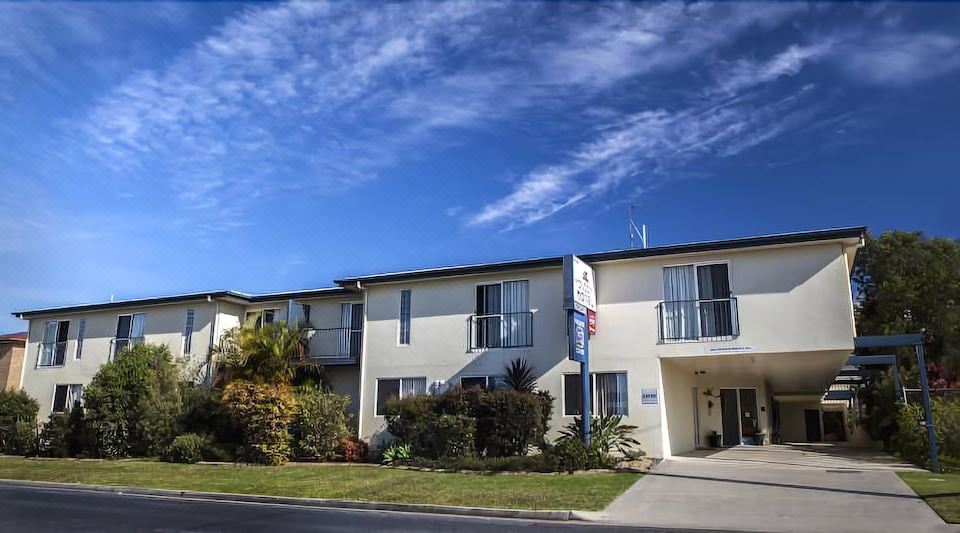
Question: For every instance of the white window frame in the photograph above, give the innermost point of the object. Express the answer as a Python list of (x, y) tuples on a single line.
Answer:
[(56, 335), (490, 381), (189, 326), (53, 401), (262, 310), (81, 334), (594, 389), (400, 319), (696, 281), (376, 392), (530, 310)]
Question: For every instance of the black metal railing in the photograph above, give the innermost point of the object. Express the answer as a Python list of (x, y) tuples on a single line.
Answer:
[(698, 320), (504, 330), (334, 343), (119, 344), (51, 353)]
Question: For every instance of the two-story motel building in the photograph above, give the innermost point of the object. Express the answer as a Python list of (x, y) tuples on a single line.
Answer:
[(740, 337)]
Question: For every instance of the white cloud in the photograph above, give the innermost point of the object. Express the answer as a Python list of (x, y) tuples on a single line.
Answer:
[(744, 74), (899, 59)]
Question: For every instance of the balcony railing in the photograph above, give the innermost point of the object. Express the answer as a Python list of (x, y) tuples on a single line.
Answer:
[(119, 344), (505, 330), (698, 320), (51, 353), (334, 344)]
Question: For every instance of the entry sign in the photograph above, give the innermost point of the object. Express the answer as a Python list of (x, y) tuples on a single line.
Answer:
[(579, 285), (648, 396), (577, 337)]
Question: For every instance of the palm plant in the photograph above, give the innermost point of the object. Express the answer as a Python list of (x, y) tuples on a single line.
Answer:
[(607, 434), (519, 375)]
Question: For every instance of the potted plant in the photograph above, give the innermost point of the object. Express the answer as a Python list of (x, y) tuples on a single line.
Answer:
[(713, 439)]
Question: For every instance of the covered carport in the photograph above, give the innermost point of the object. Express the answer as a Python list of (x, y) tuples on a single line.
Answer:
[(742, 398)]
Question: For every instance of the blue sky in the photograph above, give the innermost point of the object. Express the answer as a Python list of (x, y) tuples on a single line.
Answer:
[(149, 149)]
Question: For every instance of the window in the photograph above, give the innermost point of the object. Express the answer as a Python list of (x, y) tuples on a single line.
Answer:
[(188, 332), (53, 350), (697, 302), (608, 392), (388, 389), (305, 308), (66, 397), (477, 382), (503, 317), (351, 330), (81, 332), (404, 335), (257, 319), (129, 331)]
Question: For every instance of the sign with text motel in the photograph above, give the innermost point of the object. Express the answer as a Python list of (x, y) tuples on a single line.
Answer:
[(579, 285)]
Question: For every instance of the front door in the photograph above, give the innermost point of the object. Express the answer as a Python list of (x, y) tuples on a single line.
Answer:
[(812, 419), (730, 415), (749, 423)]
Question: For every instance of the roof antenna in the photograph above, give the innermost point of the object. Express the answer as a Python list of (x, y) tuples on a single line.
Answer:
[(111, 297), (634, 230)]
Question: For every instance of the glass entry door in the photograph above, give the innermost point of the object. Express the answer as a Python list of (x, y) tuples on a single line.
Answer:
[(730, 415), (739, 416)]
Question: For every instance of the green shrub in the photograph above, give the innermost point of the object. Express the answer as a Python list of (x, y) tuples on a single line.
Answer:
[(608, 435), (353, 450), (263, 412), (520, 463), (498, 422), (397, 453), (54, 437), (186, 448), (133, 403), (569, 455), (18, 417), (320, 423), (910, 439), (206, 414)]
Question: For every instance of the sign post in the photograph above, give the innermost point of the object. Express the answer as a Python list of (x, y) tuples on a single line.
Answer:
[(580, 303)]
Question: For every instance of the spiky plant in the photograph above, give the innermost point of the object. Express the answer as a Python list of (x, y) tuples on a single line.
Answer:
[(519, 375)]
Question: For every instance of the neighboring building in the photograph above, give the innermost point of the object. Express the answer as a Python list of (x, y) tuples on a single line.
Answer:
[(11, 359), (741, 337)]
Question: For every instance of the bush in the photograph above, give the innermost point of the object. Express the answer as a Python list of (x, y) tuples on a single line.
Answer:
[(910, 439), (568, 455), (608, 434), (520, 463), (133, 403), (320, 423), (18, 417), (264, 413), (460, 423), (397, 453), (54, 437), (186, 448), (353, 450), (206, 414)]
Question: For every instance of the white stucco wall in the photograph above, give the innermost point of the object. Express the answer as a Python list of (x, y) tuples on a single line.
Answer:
[(164, 324)]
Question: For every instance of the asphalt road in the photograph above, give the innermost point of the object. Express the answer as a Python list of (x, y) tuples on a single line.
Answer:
[(62, 510)]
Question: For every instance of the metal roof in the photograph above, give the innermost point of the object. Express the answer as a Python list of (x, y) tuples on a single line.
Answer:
[(854, 232)]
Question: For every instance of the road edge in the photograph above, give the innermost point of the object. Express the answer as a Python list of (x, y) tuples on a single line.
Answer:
[(527, 514)]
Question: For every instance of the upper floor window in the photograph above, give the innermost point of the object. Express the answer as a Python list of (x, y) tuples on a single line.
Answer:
[(53, 349), (188, 332), (66, 397), (257, 319), (390, 389), (608, 394), (404, 333), (503, 318), (129, 331), (697, 303), (81, 333)]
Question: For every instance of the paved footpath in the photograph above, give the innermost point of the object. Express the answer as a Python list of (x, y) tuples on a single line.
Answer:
[(777, 488)]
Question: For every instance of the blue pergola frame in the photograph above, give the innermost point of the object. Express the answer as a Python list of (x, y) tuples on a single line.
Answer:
[(915, 340)]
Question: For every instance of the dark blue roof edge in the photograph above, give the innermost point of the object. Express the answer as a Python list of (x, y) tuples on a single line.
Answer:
[(851, 232), (188, 297)]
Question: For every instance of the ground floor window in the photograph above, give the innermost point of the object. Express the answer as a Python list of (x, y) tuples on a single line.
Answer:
[(66, 397), (478, 382), (608, 391), (388, 389)]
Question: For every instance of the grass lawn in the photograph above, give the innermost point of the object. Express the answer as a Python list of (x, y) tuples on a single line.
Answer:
[(940, 491), (523, 491)]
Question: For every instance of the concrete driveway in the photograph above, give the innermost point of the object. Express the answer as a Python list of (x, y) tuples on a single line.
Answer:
[(777, 488)]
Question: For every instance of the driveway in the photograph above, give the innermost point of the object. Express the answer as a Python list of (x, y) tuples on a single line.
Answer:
[(777, 488)]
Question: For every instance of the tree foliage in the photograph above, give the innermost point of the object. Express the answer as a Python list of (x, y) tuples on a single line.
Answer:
[(263, 411), (320, 423), (133, 403), (18, 417)]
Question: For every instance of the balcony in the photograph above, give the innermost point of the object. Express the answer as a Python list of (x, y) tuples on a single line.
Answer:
[(51, 354), (505, 330), (119, 344), (334, 345), (698, 320)]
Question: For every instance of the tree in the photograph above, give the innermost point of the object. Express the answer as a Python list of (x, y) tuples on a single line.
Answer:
[(269, 354), (905, 283)]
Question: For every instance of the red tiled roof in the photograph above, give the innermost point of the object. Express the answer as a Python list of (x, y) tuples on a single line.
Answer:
[(21, 336)]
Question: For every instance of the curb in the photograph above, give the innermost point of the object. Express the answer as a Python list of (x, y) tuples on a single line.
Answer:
[(525, 514)]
